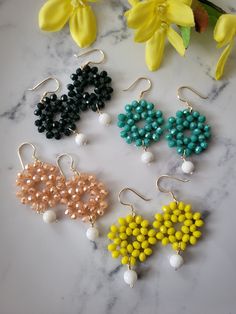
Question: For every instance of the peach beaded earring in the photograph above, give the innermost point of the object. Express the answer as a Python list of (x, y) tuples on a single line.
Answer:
[(39, 184), (83, 185)]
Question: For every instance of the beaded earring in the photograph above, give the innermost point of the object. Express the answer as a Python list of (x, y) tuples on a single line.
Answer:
[(178, 225), (131, 239), (85, 77), (84, 197), (188, 120), (135, 112), (40, 185)]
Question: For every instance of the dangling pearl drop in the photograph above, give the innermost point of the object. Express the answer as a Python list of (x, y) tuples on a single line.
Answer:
[(49, 216), (104, 119), (130, 277), (81, 139), (176, 261), (92, 233), (187, 167), (147, 157)]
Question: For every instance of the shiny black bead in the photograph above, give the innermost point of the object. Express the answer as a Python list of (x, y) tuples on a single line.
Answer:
[(37, 112), (79, 71), (38, 122), (103, 74), (77, 83), (55, 124), (107, 79), (57, 136), (85, 95), (109, 89), (74, 76), (70, 86), (53, 97), (72, 126), (64, 97), (46, 100), (86, 68), (67, 132), (40, 105), (49, 134), (94, 69), (71, 93), (41, 129)]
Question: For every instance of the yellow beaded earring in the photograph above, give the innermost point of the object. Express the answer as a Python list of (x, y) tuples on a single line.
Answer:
[(131, 239), (177, 225)]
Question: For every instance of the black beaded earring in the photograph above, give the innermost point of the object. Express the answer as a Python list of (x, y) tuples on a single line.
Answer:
[(89, 76), (56, 117)]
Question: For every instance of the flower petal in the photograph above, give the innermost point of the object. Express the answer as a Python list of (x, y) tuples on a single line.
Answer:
[(140, 14), (83, 26), (155, 49), (54, 14), (225, 29), (145, 32), (176, 41), (179, 13), (222, 61), (133, 2)]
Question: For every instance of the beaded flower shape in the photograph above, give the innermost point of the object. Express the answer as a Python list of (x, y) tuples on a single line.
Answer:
[(40, 185), (200, 132), (132, 239), (136, 112), (178, 225)]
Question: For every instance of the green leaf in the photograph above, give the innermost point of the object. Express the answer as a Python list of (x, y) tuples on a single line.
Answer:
[(186, 34), (214, 12)]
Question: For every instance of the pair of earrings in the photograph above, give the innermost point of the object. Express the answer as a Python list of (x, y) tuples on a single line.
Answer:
[(187, 120), (57, 116), (43, 186), (133, 238)]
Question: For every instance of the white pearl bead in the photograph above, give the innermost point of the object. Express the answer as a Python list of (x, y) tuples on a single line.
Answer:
[(130, 277), (105, 119), (187, 167), (92, 233), (81, 139), (176, 261), (49, 216), (147, 157)]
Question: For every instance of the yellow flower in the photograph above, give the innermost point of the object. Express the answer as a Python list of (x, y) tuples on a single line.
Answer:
[(224, 34), (152, 21), (54, 14)]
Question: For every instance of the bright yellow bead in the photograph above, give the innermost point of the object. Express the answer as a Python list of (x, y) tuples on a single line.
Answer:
[(113, 228), (174, 218), (181, 205), (122, 221), (171, 231), (181, 218), (130, 248), (152, 240), (163, 229), (138, 219), (166, 209), (140, 237), (122, 229), (185, 238), (166, 216), (185, 229), (178, 235), (115, 254), (172, 238), (193, 240), (144, 231), (111, 247), (159, 235), (123, 236), (159, 217), (133, 225), (168, 223), (135, 253), (123, 251), (124, 243), (129, 218), (173, 205), (128, 231), (145, 244), (151, 233), (199, 223), (136, 245), (197, 234), (111, 235), (148, 251), (193, 228), (177, 212), (197, 216), (156, 224), (117, 241), (165, 241), (182, 246), (142, 257), (125, 260), (175, 246), (188, 222), (136, 232), (145, 223), (132, 260), (189, 215), (188, 208)]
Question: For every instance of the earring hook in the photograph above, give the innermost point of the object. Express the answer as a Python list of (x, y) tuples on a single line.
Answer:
[(72, 164), (19, 153), (136, 81), (192, 90), (161, 189), (128, 204), (88, 53), (50, 78)]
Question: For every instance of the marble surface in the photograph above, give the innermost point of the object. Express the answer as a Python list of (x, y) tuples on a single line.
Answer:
[(53, 268)]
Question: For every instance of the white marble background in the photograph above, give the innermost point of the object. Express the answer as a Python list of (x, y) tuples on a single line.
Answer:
[(53, 269)]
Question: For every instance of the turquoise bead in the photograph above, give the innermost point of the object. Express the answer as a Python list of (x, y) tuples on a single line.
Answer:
[(207, 128), (155, 137), (128, 108), (135, 135), (187, 140), (138, 142), (180, 150), (194, 138), (191, 145), (142, 132), (186, 112), (159, 131), (173, 132), (198, 150), (149, 120), (121, 124), (151, 113), (179, 143), (139, 109), (130, 122), (169, 137), (180, 135), (196, 114), (171, 120), (179, 121), (204, 145), (144, 115), (148, 127), (134, 128), (201, 138), (179, 114), (207, 134), (158, 114), (150, 106), (180, 127), (148, 135), (201, 118), (123, 134), (193, 125), (136, 117), (196, 132), (172, 143), (146, 142), (155, 125), (134, 103), (160, 121), (121, 117), (187, 152), (186, 124), (127, 128), (129, 115), (143, 103), (128, 139), (190, 118), (200, 125)]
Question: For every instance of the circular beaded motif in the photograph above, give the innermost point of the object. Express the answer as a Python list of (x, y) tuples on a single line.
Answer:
[(40, 185), (134, 113), (82, 79), (178, 225), (75, 192), (197, 142), (131, 239), (56, 117)]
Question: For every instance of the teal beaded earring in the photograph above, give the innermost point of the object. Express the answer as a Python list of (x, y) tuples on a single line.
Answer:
[(135, 112), (188, 120)]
